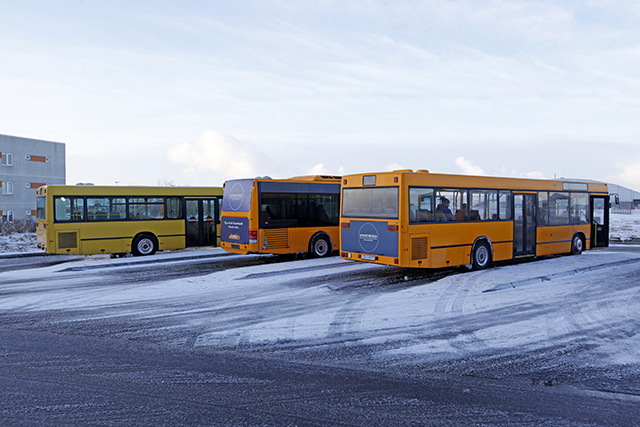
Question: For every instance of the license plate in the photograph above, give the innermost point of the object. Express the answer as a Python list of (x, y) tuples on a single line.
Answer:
[(369, 257)]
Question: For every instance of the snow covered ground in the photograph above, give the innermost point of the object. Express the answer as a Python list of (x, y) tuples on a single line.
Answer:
[(562, 314), (625, 228)]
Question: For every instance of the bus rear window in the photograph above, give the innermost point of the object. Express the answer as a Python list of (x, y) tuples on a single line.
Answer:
[(237, 195), (379, 202)]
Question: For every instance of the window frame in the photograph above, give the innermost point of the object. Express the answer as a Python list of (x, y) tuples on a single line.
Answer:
[(6, 159)]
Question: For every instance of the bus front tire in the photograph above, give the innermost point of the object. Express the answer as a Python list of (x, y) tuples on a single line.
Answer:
[(144, 244), (577, 245), (481, 256), (320, 246)]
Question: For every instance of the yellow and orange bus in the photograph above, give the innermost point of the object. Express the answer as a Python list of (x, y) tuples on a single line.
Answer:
[(281, 216), (421, 219), (87, 219)]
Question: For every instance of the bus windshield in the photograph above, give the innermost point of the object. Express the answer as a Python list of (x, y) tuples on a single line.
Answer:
[(378, 202)]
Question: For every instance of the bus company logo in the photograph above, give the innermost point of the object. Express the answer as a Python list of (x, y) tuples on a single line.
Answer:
[(236, 196), (368, 237)]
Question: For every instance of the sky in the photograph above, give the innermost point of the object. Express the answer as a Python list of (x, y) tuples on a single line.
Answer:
[(198, 92)]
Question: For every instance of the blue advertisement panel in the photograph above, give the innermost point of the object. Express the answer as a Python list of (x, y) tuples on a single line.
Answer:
[(234, 230), (370, 237), (237, 195)]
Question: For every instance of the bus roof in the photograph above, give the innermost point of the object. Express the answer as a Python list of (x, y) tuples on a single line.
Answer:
[(424, 177), (117, 190)]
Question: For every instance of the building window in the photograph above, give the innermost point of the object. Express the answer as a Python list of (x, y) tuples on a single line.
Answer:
[(7, 216), (7, 159), (7, 187)]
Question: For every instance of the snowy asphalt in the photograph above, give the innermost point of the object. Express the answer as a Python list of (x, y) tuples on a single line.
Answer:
[(207, 338)]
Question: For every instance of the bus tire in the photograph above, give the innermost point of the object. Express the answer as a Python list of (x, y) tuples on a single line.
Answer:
[(577, 244), (320, 246), (481, 255), (144, 244)]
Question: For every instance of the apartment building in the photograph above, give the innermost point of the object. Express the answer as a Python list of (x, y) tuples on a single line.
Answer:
[(25, 165)]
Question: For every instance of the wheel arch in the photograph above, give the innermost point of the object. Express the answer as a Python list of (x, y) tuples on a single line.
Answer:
[(148, 234), (317, 234), (479, 239), (583, 237)]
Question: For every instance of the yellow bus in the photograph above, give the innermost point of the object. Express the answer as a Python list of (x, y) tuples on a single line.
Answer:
[(421, 219), (281, 216), (87, 219)]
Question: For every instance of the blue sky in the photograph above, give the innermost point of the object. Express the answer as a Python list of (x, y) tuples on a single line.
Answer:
[(197, 92)]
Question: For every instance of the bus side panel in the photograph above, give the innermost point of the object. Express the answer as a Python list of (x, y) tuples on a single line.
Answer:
[(554, 240), (102, 246), (170, 235), (451, 243), (300, 238), (450, 256)]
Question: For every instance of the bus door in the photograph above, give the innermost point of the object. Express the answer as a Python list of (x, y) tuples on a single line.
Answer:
[(524, 231), (201, 222), (599, 221)]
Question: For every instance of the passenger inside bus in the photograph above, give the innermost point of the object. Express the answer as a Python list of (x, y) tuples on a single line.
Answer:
[(443, 213)]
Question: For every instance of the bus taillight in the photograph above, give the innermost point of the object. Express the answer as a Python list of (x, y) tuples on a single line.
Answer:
[(253, 236), (345, 225), (392, 227)]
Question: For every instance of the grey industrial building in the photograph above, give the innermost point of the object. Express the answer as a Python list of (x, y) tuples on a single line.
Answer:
[(25, 165)]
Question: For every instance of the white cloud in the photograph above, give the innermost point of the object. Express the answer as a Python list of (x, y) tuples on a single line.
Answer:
[(395, 167), (629, 176), (221, 156), (320, 169), (468, 168)]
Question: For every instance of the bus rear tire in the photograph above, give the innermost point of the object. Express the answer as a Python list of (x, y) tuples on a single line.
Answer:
[(144, 244), (320, 246), (481, 256), (577, 245)]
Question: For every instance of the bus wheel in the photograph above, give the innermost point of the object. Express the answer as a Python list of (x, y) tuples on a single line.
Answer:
[(577, 245), (481, 256), (144, 244), (320, 246)]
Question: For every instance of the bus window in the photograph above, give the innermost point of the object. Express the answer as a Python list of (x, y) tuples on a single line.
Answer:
[(543, 207), (278, 210), (324, 209), (420, 204), (449, 201), (505, 203), (146, 208), (484, 205), (106, 208), (69, 209), (559, 208), (174, 207), (579, 208)]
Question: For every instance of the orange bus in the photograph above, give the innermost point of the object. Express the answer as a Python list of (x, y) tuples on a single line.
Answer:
[(281, 216), (421, 219)]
